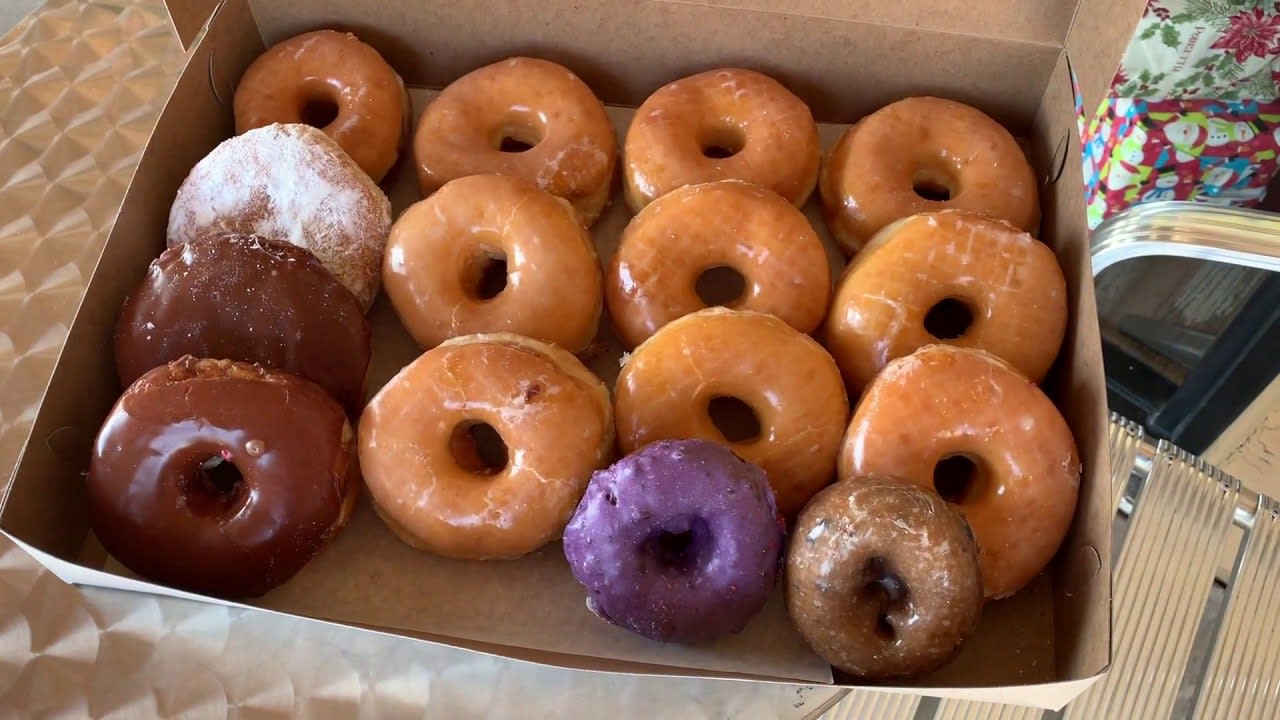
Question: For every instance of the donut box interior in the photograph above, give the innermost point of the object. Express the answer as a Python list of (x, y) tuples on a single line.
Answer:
[(1011, 58)]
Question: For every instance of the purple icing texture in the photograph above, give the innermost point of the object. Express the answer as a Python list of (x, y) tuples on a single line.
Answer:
[(679, 541)]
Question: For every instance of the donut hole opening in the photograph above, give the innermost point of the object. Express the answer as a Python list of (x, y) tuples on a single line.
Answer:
[(932, 186), (518, 139), (478, 448), (682, 546), (736, 421), (486, 274), (319, 113), (956, 478), (886, 590), (948, 319), (215, 485), (722, 142), (720, 285)]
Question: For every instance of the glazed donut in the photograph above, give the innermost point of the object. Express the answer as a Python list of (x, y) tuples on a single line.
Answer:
[(883, 579), (677, 542), (726, 124), (436, 483), (291, 183), (919, 155), (672, 384), (492, 253), (221, 477), (990, 442), (525, 117), (242, 297), (653, 277), (952, 277), (331, 80)]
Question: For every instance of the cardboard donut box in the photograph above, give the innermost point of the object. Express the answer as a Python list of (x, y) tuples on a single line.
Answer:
[(1012, 58)]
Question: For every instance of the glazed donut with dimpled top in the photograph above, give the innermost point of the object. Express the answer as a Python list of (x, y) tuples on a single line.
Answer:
[(953, 277), (667, 248), (673, 385), (919, 155), (990, 442), (433, 472), (726, 124), (493, 253), (298, 79), (524, 117)]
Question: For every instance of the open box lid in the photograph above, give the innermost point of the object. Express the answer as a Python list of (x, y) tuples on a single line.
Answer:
[(1094, 32)]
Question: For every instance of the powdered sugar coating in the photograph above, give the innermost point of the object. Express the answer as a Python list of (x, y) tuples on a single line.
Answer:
[(290, 183)]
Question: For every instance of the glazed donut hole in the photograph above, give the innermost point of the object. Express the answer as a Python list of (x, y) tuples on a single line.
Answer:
[(721, 140), (959, 477), (720, 285), (734, 418), (935, 183), (319, 104), (883, 588), (685, 542), (484, 276), (478, 448), (949, 318), (211, 483), (518, 134)]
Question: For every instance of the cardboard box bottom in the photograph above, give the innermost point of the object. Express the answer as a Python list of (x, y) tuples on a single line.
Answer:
[(529, 609)]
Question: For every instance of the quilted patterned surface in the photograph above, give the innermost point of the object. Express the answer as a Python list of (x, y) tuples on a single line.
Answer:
[(80, 87)]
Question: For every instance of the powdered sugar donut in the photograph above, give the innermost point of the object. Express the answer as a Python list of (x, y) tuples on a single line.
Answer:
[(295, 184)]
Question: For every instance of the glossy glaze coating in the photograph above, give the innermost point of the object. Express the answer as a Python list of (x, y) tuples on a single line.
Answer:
[(772, 131), (241, 297), (336, 69), (868, 178), (531, 101), (155, 509), (678, 542), (789, 381), (1010, 283), (438, 248), (652, 278), (883, 579), (944, 401), (290, 183), (552, 414)]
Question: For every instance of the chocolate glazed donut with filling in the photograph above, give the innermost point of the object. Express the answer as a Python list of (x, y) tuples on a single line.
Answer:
[(883, 578), (247, 298), (221, 477)]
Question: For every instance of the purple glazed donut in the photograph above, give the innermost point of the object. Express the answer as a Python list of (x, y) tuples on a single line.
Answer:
[(679, 541)]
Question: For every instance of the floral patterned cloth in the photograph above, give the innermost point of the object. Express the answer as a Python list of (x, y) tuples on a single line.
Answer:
[(1205, 49)]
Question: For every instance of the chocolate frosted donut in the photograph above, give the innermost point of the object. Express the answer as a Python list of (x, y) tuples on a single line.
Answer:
[(242, 297), (679, 541), (221, 477), (882, 578)]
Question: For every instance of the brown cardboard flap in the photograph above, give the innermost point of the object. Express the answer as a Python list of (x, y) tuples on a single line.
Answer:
[(1037, 21), (628, 50), (1097, 41), (1083, 572), (189, 17)]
